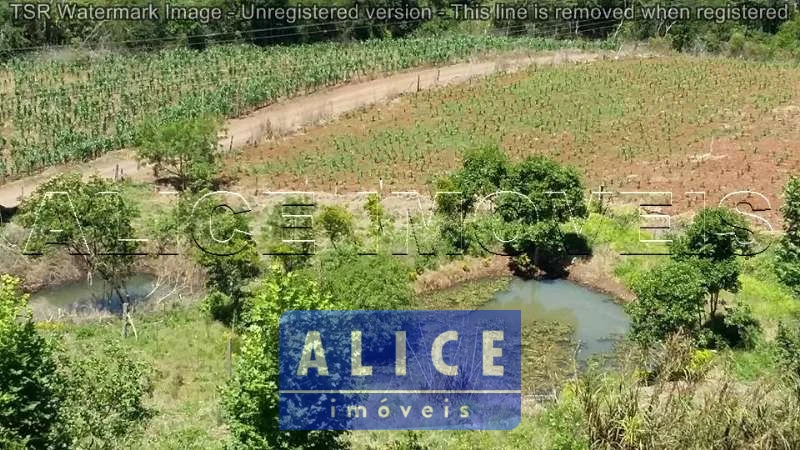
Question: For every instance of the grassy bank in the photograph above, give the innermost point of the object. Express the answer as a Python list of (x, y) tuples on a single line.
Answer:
[(188, 353)]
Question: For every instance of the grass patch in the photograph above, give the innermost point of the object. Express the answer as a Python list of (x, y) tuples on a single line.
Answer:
[(533, 432), (187, 351)]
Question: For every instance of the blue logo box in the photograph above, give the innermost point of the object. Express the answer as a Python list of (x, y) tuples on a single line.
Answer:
[(400, 370)]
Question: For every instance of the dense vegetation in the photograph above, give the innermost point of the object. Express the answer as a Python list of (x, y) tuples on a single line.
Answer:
[(703, 35)]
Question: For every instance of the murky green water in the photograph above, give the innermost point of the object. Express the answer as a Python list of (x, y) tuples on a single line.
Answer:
[(79, 297), (598, 321)]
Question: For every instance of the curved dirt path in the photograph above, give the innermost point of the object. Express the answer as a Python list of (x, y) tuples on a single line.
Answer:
[(288, 116)]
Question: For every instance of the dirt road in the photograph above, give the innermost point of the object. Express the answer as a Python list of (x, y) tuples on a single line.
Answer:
[(288, 116)]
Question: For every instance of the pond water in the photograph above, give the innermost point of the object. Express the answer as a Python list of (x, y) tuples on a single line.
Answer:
[(78, 297), (597, 320)]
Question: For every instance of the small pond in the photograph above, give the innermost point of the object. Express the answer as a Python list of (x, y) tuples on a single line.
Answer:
[(78, 297), (597, 320)]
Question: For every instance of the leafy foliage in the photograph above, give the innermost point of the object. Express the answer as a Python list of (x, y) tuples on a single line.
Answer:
[(669, 299), (287, 224), (378, 218), (337, 223), (366, 281), (185, 149), (787, 344), (30, 384), (231, 260), (104, 395), (788, 251), (710, 245), (251, 398), (483, 170), (532, 199), (95, 223)]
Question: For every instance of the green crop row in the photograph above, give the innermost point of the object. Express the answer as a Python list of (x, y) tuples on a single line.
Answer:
[(73, 108)]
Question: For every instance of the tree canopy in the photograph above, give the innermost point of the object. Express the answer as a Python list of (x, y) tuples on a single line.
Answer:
[(92, 220)]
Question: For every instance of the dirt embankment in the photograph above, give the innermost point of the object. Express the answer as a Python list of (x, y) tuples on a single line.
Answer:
[(291, 115), (595, 273)]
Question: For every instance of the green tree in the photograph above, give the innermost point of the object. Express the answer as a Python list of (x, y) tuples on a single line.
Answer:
[(533, 198), (787, 345), (788, 251), (669, 299), (218, 236), (30, 384), (378, 218), (551, 194), (92, 220), (710, 244), (250, 399), (483, 171), (337, 222), (185, 149)]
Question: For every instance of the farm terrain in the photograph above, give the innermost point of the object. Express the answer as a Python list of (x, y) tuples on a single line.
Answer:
[(676, 124), (671, 123)]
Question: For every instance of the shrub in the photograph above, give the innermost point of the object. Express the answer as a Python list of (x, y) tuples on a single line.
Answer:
[(699, 364), (104, 396), (337, 222), (250, 399), (366, 281), (740, 329), (185, 149), (290, 220), (669, 299), (710, 245), (788, 252), (787, 344), (377, 214), (736, 44), (30, 384)]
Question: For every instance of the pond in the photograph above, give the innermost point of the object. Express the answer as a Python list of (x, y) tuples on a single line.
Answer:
[(597, 320), (78, 297)]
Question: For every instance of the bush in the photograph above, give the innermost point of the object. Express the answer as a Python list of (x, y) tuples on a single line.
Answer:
[(788, 252), (377, 214), (104, 395), (737, 328), (788, 36), (787, 344), (699, 364), (366, 281), (290, 220), (30, 384), (220, 307), (736, 44), (184, 149), (337, 222), (710, 245), (230, 259), (669, 299), (250, 399)]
